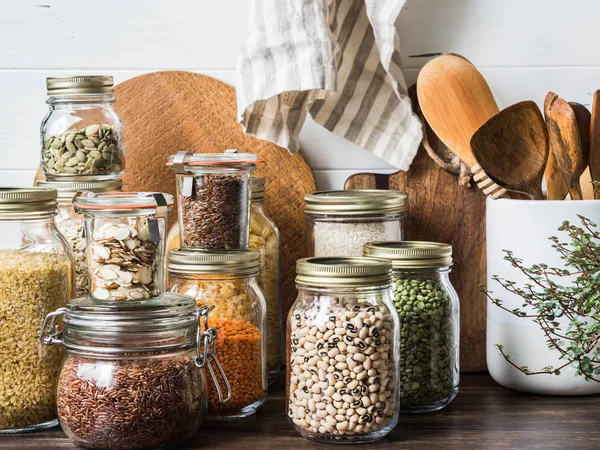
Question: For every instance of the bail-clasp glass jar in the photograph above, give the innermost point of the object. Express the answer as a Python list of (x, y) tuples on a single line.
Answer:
[(264, 238), (72, 225), (36, 278), (428, 307), (213, 195), (227, 281), (341, 222), (82, 135), (342, 350), (132, 374), (125, 234)]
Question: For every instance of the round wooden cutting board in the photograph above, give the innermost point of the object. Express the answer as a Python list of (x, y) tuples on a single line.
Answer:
[(165, 112)]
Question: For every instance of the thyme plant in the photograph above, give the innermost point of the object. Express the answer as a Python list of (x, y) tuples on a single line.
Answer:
[(571, 293)]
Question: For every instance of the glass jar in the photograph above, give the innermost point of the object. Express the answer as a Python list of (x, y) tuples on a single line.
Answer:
[(213, 194), (71, 225), (428, 308), (343, 350), (36, 277), (341, 222), (227, 281), (264, 238), (132, 374), (125, 234), (82, 135)]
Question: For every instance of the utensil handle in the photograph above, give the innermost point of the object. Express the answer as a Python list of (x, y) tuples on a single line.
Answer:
[(486, 184)]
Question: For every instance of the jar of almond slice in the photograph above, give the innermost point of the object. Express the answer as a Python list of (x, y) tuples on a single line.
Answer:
[(125, 234)]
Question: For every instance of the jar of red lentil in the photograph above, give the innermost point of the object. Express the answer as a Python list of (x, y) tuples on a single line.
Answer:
[(227, 281), (125, 234), (132, 376)]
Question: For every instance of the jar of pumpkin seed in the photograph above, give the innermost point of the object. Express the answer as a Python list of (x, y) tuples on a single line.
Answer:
[(82, 135), (428, 308)]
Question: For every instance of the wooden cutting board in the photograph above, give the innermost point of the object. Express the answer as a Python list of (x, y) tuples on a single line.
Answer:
[(440, 210)]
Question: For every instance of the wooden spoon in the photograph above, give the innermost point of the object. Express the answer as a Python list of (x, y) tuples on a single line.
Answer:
[(512, 148), (595, 142), (584, 117), (563, 132), (456, 100)]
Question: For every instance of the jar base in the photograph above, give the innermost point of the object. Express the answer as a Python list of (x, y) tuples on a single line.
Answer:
[(429, 407), (244, 412), (350, 439), (31, 428)]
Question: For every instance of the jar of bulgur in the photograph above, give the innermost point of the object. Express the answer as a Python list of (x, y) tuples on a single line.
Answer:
[(227, 281), (36, 277), (132, 374), (72, 225)]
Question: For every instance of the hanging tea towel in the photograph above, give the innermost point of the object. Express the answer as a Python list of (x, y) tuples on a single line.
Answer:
[(339, 60)]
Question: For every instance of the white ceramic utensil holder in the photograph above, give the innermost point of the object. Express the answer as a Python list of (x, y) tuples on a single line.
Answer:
[(524, 228)]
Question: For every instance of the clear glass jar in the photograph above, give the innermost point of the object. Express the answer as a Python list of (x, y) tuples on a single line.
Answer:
[(82, 135), (264, 238), (36, 277), (341, 222), (72, 225), (227, 281), (428, 308), (343, 351), (132, 374), (213, 195), (125, 234)]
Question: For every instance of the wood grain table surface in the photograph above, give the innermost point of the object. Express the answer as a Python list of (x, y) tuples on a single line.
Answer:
[(484, 416)]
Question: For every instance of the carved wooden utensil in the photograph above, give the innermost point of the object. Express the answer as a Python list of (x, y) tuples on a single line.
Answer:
[(563, 132), (456, 100), (595, 141), (512, 148), (584, 118)]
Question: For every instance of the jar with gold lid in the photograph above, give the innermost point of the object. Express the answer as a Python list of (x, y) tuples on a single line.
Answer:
[(82, 135), (227, 282), (428, 308), (36, 277), (343, 350)]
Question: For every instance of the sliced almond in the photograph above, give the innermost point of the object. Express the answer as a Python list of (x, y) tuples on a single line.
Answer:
[(145, 275), (108, 274), (101, 293), (100, 253), (136, 294), (118, 232)]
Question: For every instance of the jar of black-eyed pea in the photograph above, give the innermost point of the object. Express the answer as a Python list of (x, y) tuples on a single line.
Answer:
[(342, 351), (428, 308)]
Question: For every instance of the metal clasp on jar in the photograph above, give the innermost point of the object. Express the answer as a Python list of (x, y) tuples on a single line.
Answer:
[(207, 342), (50, 333)]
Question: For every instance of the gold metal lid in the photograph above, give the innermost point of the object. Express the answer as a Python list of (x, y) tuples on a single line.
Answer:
[(411, 254), (355, 203), (68, 189), (243, 262), (257, 189), (80, 85), (27, 199), (343, 271)]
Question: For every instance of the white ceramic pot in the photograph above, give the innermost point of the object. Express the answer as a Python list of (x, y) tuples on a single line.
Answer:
[(524, 228)]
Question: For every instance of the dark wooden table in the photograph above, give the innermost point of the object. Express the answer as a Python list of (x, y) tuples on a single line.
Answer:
[(483, 416)]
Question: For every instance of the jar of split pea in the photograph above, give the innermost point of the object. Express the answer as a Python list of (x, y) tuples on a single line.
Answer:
[(343, 350), (227, 281)]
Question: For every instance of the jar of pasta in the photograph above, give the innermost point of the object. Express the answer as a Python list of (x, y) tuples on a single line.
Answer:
[(341, 222), (264, 238), (72, 225), (35, 278), (227, 281)]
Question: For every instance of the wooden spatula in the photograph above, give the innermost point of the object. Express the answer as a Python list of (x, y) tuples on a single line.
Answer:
[(456, 100), (512, 148), (595, 142), (563, 132)]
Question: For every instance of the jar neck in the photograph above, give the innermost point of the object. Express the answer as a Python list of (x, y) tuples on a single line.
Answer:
[(257, 204), (343, 290), (436, 272), (245, 278), (82, 101)]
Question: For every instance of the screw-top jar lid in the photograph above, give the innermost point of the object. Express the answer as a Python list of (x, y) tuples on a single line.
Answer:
[(27, 199), (356, 202), (181, 260), (339, 271), (80, 85), (123, 201), (411, 254), (257, 189), (68, 189)]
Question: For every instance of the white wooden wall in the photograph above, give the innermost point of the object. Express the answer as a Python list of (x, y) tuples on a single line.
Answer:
[(523, 47)]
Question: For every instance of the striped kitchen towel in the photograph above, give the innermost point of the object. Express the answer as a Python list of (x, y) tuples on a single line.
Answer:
[(339, 60)]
